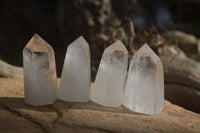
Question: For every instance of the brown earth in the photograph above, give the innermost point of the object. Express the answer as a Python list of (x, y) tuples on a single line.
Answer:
[(18, 117)]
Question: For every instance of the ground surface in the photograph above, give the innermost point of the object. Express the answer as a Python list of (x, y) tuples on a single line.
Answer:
[(18, 117)]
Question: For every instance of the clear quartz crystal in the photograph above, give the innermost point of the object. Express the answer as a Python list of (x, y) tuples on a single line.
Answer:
[(76, 74), (111, 76), (144, 91), (40, 78)]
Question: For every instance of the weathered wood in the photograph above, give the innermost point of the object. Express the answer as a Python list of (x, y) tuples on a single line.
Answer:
[(187, 42), (7, 70), (182, 78), (87, 117)]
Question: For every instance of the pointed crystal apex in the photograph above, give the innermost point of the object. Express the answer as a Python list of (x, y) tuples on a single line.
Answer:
[(79, 42), (40, 79), (37, 44), (118, 45), (144, 91), (76, 73), (36, 35), (81, 38), (111, 76), (145, 50)]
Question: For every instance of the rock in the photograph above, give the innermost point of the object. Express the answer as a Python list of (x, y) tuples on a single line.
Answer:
[(40, 78), (111, 76), (144, 91), (86, 117), (76, 74)]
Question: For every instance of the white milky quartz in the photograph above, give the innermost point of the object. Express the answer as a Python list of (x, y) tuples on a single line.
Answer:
[(144, 91), (111, 76), (76, 74), (40, 79)]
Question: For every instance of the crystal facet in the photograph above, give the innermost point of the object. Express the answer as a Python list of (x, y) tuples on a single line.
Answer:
[(76, 73), (40, 79), (111, 76), (144, 91)]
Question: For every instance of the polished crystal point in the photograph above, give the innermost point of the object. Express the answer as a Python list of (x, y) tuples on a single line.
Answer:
[(111, 76), (40, 79), (144, 91), (76, 73)]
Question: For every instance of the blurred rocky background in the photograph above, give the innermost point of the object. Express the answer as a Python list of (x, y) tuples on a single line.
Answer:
[(171, 28)]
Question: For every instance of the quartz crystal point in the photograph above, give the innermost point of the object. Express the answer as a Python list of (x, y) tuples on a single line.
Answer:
[(76, 74), (111, 76), (144, 91), (40, 79)]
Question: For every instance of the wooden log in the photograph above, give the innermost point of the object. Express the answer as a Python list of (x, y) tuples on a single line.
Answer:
[(7, 70), (182, 78), (87, 117)]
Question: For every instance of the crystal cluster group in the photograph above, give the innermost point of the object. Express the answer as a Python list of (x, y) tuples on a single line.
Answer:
[(141, 91)]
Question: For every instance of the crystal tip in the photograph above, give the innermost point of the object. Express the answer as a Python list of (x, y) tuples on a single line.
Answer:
[(81, 38), (119, 42), (36, 35)]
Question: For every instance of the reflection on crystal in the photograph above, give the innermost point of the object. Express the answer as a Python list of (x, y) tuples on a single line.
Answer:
[(76, 73), (144, 91), (40, 79), (111, 76)]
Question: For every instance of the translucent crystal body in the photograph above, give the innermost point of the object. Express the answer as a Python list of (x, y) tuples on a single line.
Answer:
[(111, 76), (76, 74), (40, 79), (144, 91)]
